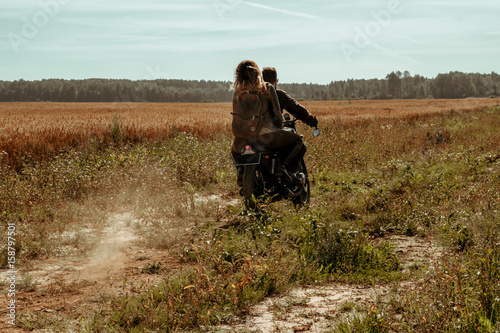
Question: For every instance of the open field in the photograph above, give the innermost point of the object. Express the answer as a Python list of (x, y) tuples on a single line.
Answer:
[(127, 219), (39, 130)]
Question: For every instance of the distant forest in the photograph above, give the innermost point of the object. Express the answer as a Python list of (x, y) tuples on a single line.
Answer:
[(396, 85)]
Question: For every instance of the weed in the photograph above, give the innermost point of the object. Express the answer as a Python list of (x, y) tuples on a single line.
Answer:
[(152, 268), (369, 179), (26, 283), (347, 306)]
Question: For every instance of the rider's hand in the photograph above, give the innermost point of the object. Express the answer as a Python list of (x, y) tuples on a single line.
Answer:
[(313, 122)]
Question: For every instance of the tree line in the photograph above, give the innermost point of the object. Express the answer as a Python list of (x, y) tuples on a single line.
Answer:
[(396, 85)]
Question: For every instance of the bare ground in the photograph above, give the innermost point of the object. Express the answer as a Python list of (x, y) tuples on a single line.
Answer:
[(61, 290), (317, 308)]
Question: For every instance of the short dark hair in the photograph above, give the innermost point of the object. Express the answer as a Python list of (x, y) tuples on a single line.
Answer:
[(270, 75)]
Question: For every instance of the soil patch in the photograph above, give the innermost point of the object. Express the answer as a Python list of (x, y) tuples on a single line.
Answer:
[(119, 264), (318, 308), (68, 287)]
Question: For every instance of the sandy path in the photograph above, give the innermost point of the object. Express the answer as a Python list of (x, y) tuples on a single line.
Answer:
[(315, 309), (67, 287)]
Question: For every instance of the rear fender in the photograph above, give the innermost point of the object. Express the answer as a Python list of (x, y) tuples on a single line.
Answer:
[(247, 157)]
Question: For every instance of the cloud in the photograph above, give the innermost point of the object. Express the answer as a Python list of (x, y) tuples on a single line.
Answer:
[(95, 35), (404, 37), (457, 3), (152, 6), (393, 53), (278, 10)]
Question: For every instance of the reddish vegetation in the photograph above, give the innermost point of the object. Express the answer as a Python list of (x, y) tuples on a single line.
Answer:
[(40, 130), (348, 111)]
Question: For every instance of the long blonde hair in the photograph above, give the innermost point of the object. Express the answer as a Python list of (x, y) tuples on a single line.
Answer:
[(248, 78)]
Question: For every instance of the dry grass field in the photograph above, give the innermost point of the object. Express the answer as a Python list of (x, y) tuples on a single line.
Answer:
[(40, 130), (127, 218), (359, 110)]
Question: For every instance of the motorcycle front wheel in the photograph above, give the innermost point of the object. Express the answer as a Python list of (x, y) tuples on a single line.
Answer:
[(303, 198)]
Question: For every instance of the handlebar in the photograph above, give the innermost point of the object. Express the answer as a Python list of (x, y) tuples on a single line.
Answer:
[(291, 123)]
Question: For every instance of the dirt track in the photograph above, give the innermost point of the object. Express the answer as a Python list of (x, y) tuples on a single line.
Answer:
[(314, 309), (119, 264), (69, 286)]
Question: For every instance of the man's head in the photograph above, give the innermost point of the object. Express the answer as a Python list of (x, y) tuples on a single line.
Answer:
[(270, 75)]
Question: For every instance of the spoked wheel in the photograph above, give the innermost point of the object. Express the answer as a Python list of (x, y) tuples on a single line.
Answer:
[(253, 185), (303, 198)]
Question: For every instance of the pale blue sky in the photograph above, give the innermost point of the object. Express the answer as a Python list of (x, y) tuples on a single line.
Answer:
[(307, 41)]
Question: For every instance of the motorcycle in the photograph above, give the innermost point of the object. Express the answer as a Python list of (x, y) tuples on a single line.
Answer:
[(262, 177)]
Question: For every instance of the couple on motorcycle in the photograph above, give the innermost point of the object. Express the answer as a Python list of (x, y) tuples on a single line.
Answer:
[(271, 136)]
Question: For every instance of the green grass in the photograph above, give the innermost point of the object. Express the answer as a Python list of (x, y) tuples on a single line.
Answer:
[(437, 176)]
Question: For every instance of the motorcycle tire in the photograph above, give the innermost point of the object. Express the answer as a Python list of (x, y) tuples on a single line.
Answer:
[(252, 186), (303, 198)]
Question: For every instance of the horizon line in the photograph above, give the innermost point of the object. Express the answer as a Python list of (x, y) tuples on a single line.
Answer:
[(218, 80)]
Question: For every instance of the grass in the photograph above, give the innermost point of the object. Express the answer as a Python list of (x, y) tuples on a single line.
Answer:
[(37, 198), (36, 131), (39, 131), (429, 175)]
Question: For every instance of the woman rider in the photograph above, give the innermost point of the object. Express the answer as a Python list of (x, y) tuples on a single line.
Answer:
[(271, 136)]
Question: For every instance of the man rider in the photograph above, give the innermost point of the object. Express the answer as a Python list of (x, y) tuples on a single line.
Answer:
[(294, 108), (288, 103)]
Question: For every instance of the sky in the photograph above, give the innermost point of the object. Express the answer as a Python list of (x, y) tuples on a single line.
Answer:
[(314, 41)]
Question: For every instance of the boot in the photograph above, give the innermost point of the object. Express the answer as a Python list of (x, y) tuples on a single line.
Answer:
[(293, 152), (282, 168)]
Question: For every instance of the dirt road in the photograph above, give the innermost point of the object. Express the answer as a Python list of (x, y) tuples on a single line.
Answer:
[(61, 290)]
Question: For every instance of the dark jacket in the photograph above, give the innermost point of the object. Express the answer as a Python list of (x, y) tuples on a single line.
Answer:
[(295, 109)]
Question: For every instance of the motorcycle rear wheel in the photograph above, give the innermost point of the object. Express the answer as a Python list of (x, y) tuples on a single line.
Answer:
[(253, 183)]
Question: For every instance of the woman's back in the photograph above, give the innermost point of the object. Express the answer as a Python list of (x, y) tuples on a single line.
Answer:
[(249, 101)]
